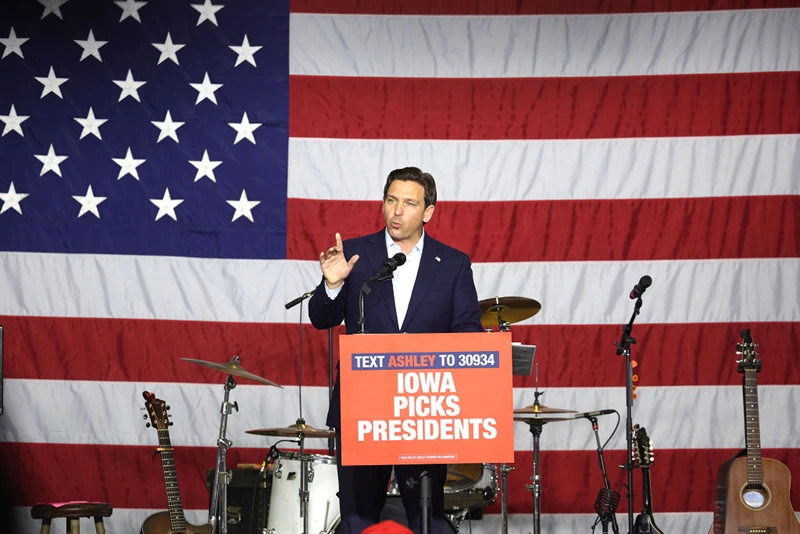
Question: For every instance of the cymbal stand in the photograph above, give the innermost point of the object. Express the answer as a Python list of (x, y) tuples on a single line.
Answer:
[(218, 512), (504, 326), (504, 471), (304, 476), (536, 488)]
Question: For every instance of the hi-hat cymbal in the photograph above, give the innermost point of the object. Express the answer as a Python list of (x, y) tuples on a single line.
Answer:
[(293, 431), (233, 368), (536, 409), (512, 309)]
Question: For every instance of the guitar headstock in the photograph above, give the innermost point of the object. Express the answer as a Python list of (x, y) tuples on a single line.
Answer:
[(157, 411), (643, 455), (747, 350)]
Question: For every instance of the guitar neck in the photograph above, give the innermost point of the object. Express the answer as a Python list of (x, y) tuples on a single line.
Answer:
[(647, 505), (751, 426), (176, 518), (647, 523)]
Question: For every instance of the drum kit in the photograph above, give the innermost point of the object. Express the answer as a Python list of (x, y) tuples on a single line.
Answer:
[(303, 497)]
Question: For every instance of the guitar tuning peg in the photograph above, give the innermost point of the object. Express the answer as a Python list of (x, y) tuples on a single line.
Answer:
[(147, 425), (144, 417), (168, 407), (171, 423)]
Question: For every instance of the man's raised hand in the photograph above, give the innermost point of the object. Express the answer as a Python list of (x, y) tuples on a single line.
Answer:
[(335, 268)]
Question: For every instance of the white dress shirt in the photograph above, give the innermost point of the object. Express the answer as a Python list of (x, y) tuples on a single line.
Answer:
[(405, 275)]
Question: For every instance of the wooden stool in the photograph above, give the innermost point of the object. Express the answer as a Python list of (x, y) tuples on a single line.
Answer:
[(73, 512)]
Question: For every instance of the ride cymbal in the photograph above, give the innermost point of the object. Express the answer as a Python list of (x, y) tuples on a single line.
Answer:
[(535, 409), (512, 310), (233, 368), (293, 431)]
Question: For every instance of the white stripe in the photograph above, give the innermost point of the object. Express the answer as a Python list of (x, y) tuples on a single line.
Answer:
[(545, 46), (157, 287), (110, 413), (128, 520), (552, 169)]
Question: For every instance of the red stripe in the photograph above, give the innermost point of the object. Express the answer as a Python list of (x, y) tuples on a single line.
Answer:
[(683, 480), (545, 108), (528, 7), (576, 355), (575, 230)]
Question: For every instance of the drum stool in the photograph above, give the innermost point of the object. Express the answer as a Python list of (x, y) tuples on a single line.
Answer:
[(72, 512)]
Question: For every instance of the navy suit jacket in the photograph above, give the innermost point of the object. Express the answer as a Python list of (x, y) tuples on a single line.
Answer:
[(444, 298)]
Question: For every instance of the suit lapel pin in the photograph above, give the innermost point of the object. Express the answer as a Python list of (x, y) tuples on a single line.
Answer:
[(438, 258)]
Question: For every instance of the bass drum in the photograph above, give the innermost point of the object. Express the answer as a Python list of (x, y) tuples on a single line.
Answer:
[(395, 511)]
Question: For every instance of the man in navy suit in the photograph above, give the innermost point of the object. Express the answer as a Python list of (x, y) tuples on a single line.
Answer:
[(432, 292)]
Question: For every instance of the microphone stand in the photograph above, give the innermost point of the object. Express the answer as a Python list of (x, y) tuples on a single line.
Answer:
[(608, 494), (624, 349), (365, 290), (331, 440)]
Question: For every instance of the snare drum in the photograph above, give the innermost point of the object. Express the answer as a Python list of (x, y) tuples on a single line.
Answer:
[(474, 486), (284, 503)]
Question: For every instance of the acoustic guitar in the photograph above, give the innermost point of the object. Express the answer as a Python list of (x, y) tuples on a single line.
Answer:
[(643, 457), (171, 521), (752, 495)]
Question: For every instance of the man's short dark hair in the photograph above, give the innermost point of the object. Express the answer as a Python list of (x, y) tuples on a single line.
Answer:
[(413, 174)]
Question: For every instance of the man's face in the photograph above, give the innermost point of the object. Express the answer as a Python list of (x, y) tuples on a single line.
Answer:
[(404, 211)]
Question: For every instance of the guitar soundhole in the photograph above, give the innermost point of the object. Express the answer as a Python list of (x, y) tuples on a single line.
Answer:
[(755, 496)]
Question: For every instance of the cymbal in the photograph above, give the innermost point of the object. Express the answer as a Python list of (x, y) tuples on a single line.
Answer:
[(512, 309), (535, 409), (233, 368), (293, 431)]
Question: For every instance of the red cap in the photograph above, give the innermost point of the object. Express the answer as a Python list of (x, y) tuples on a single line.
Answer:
[(387, 527)]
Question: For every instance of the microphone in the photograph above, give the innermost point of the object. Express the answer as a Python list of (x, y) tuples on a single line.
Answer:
[(587, 415), (269, 457), (606, 502), (639, 289), (298, 300), (390, 264)]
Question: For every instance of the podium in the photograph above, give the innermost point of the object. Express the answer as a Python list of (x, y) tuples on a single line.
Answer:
[(427, 398)]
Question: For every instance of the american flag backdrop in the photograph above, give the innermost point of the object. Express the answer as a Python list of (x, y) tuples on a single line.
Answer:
[(169, 170)]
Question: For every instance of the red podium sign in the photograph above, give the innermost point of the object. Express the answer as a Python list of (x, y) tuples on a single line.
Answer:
[(426, 398)]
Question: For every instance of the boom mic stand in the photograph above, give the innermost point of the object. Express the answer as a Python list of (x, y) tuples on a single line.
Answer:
[(624, 349)]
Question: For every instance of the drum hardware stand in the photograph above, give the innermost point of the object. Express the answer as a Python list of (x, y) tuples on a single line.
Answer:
[(504, 471), (624, 349), (536, 488), (304, 476), (218, 512)]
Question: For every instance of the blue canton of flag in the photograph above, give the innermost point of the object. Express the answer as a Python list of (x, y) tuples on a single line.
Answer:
[(144, 127)]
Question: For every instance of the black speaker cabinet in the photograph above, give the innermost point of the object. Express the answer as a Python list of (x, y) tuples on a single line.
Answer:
[(245, 515)]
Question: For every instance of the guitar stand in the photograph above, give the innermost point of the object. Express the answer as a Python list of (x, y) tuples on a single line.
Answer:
[(218, 511)]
